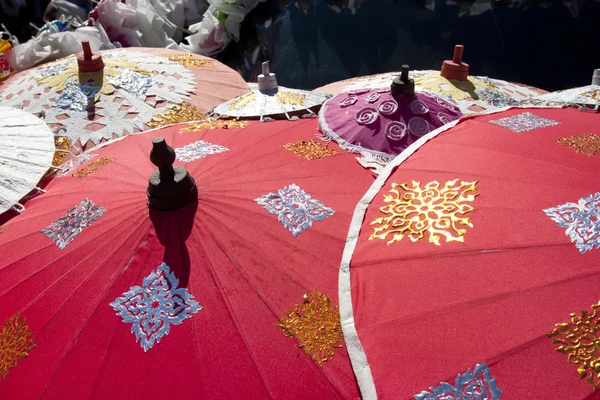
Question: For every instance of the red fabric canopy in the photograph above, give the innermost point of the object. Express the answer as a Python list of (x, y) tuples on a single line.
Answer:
[(109, 320), (469, 254)]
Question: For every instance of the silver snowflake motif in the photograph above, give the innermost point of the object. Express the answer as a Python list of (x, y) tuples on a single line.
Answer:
[(295, 208), (54, 69), (582, 220), (524, 122), (133, 82), (156, 305), (197, 150), (75, 96), (65, 229), (476, 385)]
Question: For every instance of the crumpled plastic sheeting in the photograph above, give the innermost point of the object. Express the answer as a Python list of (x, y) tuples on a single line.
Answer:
[(57, 9), (51, 46), (141, 23), (211, 36)]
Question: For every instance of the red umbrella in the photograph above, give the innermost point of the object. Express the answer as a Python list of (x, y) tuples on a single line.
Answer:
[(470, 259), (200, 302)]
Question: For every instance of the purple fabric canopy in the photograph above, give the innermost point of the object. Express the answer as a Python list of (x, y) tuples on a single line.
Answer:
[(375, 123)]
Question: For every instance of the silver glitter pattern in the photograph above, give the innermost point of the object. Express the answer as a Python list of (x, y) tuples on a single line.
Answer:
[(76, 96), (133, 82), (524, 122)]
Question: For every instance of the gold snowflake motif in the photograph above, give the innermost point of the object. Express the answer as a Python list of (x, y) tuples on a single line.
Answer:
[(242, 101), (16, 341), (581, 342), (438, 211), (95, 166), (586, 143), (60, 143), (112, 68), (190, 60), (316, 326), (310, 149), (290, 98), (208, 123), (176, 114)]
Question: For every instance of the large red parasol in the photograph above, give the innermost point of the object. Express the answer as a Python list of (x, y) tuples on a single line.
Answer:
[(207, 301), (471, 258)]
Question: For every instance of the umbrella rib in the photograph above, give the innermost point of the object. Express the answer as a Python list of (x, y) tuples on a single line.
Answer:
[(222, 290), (85, 322), (445, 310)]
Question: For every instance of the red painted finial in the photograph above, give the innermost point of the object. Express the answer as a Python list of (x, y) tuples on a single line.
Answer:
[(89, 60), (456, 69)]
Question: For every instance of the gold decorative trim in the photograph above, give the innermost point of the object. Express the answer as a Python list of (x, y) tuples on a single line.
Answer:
[(316, 326), (438, 211), (96, 165), (190, 60), (16, 341), (580, 341), (586, 143), (176, 114), (310, 149)]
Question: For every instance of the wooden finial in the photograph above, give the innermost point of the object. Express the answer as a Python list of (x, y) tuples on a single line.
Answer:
[(171, 187), (88, 60), (456, 69)]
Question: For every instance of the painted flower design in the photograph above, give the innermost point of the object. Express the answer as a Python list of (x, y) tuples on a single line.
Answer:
[(447, 105), (197, 150), (296, 209), (418, 126), (418, 107), (367, 116), (396, 131), (388, 107), (372, 98), (349, 101), (156, 305), (383, 90), (358, 92), (444, 118)]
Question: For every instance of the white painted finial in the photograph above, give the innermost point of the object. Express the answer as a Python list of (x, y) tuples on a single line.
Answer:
[(267, 80)]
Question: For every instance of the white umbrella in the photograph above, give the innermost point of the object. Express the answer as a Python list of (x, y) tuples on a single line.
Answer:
[(26, 153), (271, 100)]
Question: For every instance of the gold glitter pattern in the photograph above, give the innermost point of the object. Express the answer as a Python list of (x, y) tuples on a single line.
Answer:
[(112, 68), (207, 123), (96, 165), (458, 90), (242, 101), (586, 143), (310, 149), (176, 114), (190, 60), (316, 325), (438, 211), (60, 143), (592, 94), (580, 341), (16, 341), (290, 98)]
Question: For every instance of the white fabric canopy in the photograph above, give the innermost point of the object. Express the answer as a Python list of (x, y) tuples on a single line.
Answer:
[(26, 151)]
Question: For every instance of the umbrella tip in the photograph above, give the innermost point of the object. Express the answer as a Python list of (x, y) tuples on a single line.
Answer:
[(267, 80), (403, 84), (89, 60), (456, 69), (171, 187)]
